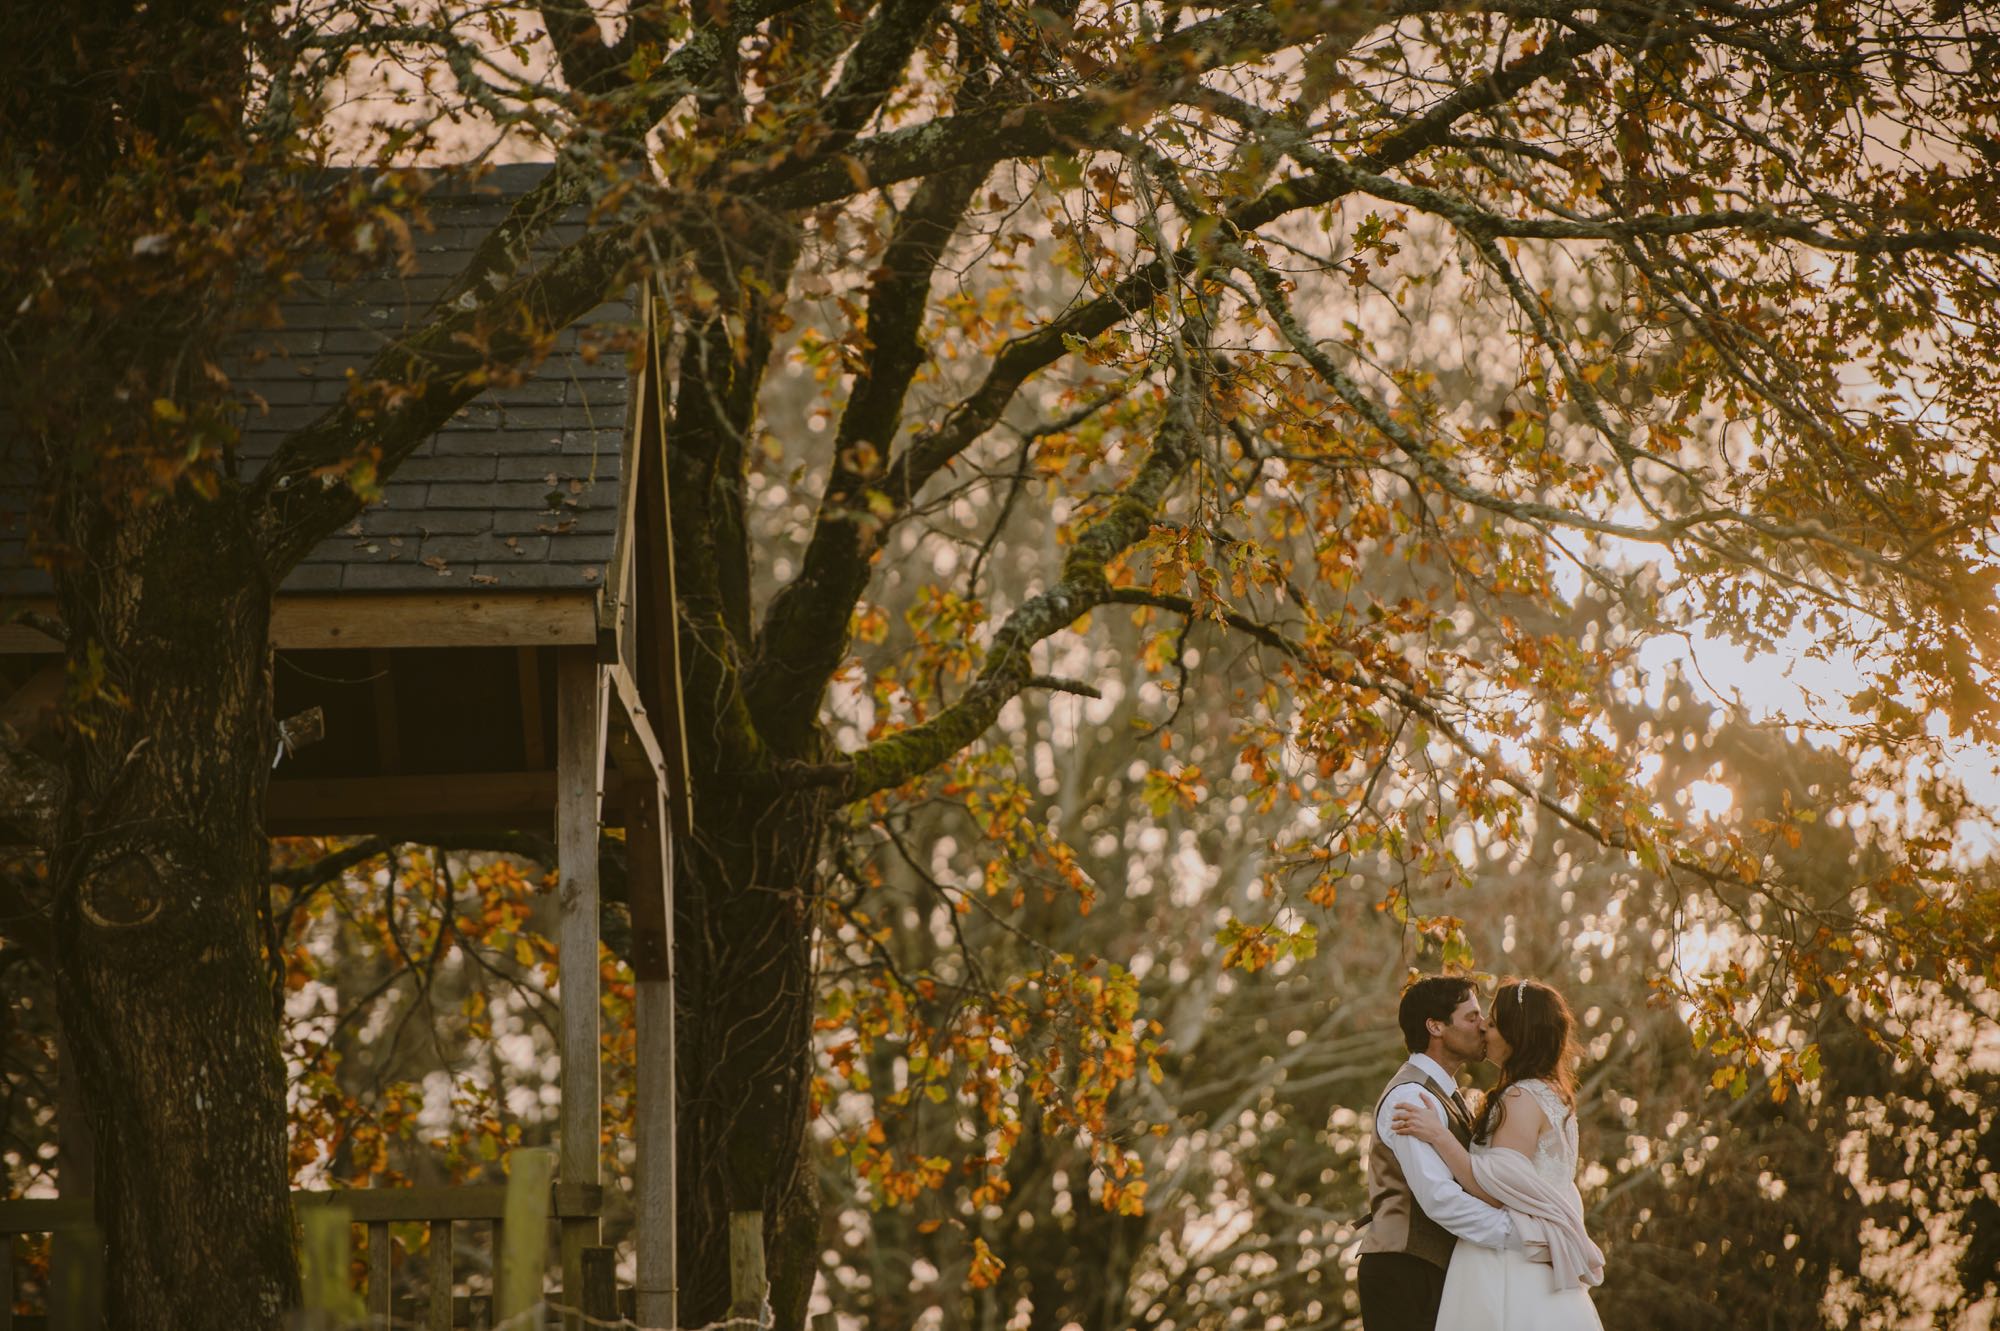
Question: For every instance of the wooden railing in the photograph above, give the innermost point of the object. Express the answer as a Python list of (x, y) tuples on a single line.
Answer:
[(517, 1215)]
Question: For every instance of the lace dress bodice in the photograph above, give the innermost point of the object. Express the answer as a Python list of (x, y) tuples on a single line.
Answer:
[(1555, 1149)]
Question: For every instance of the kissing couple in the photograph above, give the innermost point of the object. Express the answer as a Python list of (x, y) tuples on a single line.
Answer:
[(1475, 1223)]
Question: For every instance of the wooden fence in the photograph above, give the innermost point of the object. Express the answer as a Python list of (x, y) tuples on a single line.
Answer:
[(516, 1215)]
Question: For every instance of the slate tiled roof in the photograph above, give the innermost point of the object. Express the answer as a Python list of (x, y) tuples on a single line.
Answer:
[(519, 490)]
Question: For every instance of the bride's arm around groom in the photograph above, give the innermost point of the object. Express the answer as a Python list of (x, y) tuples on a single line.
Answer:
[(1547, 1216), (1443, 1192)]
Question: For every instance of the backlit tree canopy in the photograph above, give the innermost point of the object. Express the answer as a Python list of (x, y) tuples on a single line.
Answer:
[(1344, 349)]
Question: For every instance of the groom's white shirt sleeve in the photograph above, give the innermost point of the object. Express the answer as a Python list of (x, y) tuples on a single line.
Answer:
[(1430, 1180)]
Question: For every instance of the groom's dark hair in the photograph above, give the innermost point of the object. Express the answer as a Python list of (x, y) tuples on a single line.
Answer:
[(1433, 998)]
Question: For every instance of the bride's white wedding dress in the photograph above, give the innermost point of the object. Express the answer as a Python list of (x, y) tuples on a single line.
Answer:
[(1488, 1289)]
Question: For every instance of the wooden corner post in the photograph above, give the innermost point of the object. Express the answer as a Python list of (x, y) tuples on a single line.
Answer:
[(649, 849), (652, 755), (579, 778)]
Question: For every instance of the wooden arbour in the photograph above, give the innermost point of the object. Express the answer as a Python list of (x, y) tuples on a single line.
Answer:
[(542, 697)]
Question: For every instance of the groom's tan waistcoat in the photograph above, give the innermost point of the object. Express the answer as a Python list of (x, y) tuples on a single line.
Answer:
[(1395, 1222)]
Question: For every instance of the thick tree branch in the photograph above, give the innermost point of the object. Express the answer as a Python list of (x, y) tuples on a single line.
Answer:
[(939, 145), (577, 174), (872, 70), (725, 355), (587, 64), (1267, 634), (1082, 587), (1022, 357), (835, 569), (804, 634), (506, 248), (1062, 684), (1164, 74), (1469, 218), (695, 62), (645, 27)]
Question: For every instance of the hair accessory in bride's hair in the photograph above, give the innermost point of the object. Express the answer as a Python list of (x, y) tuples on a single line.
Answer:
[(1520, 990)]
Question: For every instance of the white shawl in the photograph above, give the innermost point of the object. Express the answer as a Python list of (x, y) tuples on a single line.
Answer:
[(1548, 1217)]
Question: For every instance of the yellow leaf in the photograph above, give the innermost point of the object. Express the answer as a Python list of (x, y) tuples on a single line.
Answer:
[(986, 1268)]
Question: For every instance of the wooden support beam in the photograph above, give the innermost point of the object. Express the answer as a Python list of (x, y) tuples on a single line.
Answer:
[(367, 1206), (438, 1305), (361, 1206), (326, 1233), (600, 1286), (523, 1238), (649, 878), (634, 745), (388, 727), (749, 1288), (649, 874), (615, 620), (76, 1145), (427, 619), (656, 660), (44, 1215), (395, 619), (76, 1278), (660, 808), (534, 744), (580, 685), (381, 1293), (419, 805)]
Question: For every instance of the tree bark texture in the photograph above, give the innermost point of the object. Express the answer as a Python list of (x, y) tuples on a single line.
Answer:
[(745, 894), (159, 863)]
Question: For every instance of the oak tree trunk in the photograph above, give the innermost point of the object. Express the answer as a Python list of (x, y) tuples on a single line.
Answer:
[(745, 894), (158, 869)]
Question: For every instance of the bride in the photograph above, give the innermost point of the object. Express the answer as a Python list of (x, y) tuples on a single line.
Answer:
[(1523, 1158)]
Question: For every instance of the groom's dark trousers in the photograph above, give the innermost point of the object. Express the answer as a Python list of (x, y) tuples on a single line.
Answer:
[(1399, 1292)]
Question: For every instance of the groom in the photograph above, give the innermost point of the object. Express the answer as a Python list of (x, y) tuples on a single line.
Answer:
[(1417, 1210)]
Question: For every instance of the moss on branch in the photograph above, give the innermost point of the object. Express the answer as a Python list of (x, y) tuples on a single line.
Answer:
[(1083, 586)]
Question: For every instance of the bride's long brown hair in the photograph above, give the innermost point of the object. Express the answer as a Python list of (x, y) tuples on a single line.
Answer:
[(1536, 1024)]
